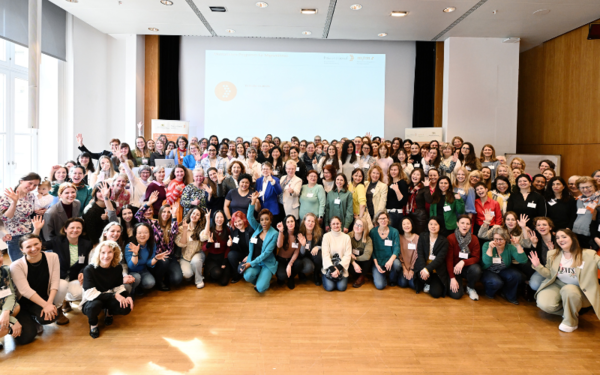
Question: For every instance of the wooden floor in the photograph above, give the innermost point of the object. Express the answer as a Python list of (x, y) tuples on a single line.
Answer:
[(234, 330)]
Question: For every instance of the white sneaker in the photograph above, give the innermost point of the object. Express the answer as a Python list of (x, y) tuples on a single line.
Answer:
[(565, 328), (200, 285), (473, 294), (426, 288)]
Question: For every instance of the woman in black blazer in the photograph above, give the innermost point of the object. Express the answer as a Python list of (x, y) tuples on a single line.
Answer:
[(239, 242), (525, 201), (430, 266), (71, 269), (561, 207)]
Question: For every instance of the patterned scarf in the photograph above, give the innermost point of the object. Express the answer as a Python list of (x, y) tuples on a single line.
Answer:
[(463, 242), (590, 202)]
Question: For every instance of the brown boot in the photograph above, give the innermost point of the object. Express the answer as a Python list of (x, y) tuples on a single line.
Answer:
[(359, 282), (66, 306), (61, 319)]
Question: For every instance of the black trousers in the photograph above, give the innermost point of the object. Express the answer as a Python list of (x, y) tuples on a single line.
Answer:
[(93, 308), (214, 270), (167, 270), (317, 261), (28, 317), (282, 266), (472, 273), (365, 265), (436, 286), (235, 258)]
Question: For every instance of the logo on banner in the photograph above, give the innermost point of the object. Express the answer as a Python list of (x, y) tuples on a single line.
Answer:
[(225, 91)]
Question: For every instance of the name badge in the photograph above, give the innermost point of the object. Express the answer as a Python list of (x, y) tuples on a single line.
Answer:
[(276, 172), (463, 255), (253, 240), (356, 165), (144, 161), (531, 205), (392, 210), (468, 168), (412, 246), (493, 213), (372, 191), (81, 259), (461, 192), (5, 293), (355, 251), (582, 263), (552, 202), (417, 165), (217, 245), (310, 195), (581, 211), (307, 247), (261, 194), (447, 208), (236, 240), (492, 167), (496, 260), (294, 245), (388, 242), (432, 257), (337, 201), (297, 169)]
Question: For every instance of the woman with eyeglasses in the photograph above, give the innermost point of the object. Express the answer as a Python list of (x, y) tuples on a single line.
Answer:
[(386, 249), (586, 205), (181, 151), (366, 160), (498, 271), (501, 192)]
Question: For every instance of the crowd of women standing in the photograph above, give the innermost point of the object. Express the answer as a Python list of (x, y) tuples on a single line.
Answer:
[(419, 216)]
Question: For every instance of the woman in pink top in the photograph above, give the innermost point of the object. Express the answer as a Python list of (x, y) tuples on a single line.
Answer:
[(384, 160)]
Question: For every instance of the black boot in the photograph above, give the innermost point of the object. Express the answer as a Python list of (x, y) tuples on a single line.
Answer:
[(317, 276)]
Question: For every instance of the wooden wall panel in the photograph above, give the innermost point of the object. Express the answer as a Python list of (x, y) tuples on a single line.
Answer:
[(439, 85), (152, 86), (559, 101)]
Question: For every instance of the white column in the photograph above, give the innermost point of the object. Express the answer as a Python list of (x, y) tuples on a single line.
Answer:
[(480, 92), (35, 59)]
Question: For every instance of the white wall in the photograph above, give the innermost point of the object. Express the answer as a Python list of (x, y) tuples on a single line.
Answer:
[(400, 71), (108, 86), (480, 92)]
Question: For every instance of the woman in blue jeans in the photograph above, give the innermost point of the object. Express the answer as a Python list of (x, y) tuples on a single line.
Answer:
[(141, 255), (499, 274), (336, 251), (261, 264), (16, 208), (386, 248)]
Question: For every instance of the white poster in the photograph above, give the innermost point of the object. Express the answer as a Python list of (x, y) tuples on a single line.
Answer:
[(172, 129)]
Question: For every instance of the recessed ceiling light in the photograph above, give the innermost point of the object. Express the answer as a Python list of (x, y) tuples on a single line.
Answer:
[(398, 13), (152, 29), (541, 12), (72, 1), (230, 31), (382, 34), (308, 11), (262, 4), (356, 7), (449, 10), (218, 9), (306, 33), (166, 2)]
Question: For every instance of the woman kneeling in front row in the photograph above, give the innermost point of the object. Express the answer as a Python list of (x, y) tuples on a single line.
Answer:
[(337, 255), (103, 287), (261, 264), (430, 265), (571, 280)]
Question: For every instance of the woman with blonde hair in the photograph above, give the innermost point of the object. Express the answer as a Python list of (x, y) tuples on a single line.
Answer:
[(141, 152), (103, 288), (376, 191), (449, 163), (517, 163), (571, 280), (463, 188), (105, 172), (362, 249)]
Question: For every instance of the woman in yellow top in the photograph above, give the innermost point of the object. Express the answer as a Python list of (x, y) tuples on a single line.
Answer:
[(359, 197)]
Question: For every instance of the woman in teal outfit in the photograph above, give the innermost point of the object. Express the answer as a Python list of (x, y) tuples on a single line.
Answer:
[(261, 264)]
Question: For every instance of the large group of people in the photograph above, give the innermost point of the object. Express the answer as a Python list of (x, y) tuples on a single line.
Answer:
[(105, 229)]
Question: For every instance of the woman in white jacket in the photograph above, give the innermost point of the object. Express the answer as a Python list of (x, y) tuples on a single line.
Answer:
[(291, 186), (376, 191), (331, 158), (336, 252)]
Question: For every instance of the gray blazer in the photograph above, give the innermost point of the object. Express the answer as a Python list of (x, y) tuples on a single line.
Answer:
[(56, 217), (291, 203)]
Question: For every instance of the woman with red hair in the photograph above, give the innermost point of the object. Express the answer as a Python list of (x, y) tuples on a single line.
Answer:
[(239, 242)]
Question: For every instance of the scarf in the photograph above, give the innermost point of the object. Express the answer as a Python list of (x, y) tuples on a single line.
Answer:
[(412, 200), (180, 155), (463, 242), (590, 202)]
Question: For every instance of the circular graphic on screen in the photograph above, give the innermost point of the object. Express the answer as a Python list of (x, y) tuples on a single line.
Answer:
[(225, 91)]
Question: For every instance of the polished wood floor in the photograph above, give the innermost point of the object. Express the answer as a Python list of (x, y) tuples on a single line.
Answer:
[(234, 330)]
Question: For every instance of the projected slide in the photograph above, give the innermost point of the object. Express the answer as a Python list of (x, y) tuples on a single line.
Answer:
[(290, 93)]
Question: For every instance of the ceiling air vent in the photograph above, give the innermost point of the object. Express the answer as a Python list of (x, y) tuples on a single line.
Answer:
[(218, 9)]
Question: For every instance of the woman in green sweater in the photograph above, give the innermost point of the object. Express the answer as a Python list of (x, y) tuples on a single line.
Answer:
[(339, 203), (497, 257), (312, 197), (386, 248), (445, 204)]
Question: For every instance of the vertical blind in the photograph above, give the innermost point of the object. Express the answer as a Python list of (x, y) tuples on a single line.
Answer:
[(13, 26)]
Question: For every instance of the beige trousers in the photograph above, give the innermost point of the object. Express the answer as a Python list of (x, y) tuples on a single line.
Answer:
[(563, 299)]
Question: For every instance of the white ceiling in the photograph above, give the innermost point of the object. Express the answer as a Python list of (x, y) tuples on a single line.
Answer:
[(282, 18)]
